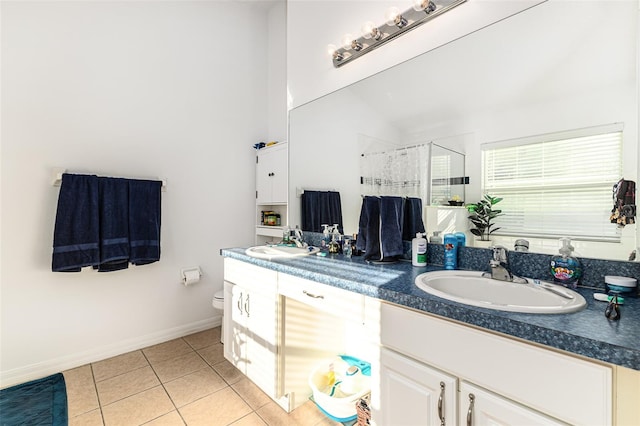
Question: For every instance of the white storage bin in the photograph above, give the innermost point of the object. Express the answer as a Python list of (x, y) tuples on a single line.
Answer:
[(338, 385)]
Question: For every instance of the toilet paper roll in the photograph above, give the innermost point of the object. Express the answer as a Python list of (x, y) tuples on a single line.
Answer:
[(190, 276)]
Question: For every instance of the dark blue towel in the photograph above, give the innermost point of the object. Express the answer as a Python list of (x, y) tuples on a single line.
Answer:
[(76, 234), (39, 402), (318, 208), (369, 228), (144, 221), (391, 220), (114, 224), (412, 218)]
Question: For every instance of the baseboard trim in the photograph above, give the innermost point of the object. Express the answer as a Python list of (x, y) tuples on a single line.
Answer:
[(46, 368)]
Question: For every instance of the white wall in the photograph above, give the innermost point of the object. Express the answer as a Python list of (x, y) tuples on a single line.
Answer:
[(313, 24), (138, 89)]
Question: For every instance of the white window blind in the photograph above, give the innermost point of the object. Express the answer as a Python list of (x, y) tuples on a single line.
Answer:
[(560, 186)]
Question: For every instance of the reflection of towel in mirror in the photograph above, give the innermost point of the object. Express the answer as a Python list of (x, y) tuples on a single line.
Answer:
[(380, 228), (412, 218), (318, 208), (76, 234), (624, 203)]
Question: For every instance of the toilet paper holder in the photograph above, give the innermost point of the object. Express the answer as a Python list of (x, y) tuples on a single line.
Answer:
[(190, 275)]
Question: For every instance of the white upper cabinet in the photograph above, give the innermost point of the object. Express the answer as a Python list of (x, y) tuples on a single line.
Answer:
[(272, 175)]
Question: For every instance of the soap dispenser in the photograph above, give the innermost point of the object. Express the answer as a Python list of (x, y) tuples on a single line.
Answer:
[(565, 268), (326, 236), (436, 238)]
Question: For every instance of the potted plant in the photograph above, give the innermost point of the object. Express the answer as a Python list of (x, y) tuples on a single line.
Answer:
[(482, 215)]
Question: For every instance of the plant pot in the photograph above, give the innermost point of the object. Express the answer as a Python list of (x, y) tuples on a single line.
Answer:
[(482, 243)]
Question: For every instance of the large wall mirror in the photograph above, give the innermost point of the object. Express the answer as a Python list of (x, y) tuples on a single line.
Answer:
[(558, 66)]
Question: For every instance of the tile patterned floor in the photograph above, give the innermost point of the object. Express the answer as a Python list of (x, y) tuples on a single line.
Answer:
[(184, 381)]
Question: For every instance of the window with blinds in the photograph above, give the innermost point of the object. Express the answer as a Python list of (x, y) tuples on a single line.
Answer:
[(556, 185)]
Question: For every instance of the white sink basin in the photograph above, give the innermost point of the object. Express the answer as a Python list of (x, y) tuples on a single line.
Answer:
[(277, 252), (471, 288)]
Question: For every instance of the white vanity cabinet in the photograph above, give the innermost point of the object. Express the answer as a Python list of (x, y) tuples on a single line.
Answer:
[(251, 326), (513, 382), (413, 393), (479, 407)]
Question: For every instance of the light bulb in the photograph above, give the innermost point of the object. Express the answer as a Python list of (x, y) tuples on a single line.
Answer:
[(346, 41), (424, 5), (392, 14), (394, 17), (332, 50), (367, 29)]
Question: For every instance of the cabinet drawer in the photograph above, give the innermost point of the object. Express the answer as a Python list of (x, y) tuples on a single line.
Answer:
[(342, 303), (562, 386), (251, 277)]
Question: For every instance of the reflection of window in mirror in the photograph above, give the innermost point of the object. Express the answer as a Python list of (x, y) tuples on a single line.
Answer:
[(557, 185)]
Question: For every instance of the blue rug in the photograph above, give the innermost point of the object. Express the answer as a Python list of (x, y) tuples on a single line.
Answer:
[(40, 402)]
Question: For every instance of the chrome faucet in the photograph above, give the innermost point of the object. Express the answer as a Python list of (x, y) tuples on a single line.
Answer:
[(298, 238), (500, 264)]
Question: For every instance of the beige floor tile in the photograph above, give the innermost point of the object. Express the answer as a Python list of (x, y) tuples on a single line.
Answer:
[(220, 408), (167, 350), (171, 419), (251, 420), (305, 415), (81, 391), (204, 338), (178, 367), (125, 385), (92, 418), (194, 386), (117, 365), (213, 354), (138, 409), (228, 372), (251, 393)]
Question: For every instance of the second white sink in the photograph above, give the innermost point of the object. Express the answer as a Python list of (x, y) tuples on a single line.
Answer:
[(471, 288), (274, 251)]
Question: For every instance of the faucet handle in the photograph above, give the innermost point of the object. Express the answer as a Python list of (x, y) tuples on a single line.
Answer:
[(499, 253)]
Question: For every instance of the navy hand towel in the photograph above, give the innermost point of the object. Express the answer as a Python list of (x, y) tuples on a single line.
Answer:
[(391, 220), (369, 228), (144, 221), (320, 207), (76, 234), (114, 223), (412, 218)]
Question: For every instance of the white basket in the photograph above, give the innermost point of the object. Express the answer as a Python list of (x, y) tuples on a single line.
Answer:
[(328, 394)]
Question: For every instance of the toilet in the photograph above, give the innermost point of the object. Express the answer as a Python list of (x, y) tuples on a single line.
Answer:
[(218, 303)]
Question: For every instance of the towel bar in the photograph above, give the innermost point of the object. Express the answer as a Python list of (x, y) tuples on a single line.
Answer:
[(58, 172)]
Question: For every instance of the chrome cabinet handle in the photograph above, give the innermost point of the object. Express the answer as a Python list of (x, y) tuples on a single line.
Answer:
[(472, 399), (246, 305), (240, 303), (440, 404), (315, 296)]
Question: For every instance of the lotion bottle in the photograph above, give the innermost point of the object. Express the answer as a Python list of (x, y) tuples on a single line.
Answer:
[(419, 250)]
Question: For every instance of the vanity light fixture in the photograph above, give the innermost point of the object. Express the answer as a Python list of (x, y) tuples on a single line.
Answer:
[(396, 24)]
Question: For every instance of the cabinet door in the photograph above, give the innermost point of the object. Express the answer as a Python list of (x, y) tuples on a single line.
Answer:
[(236, 338), (480, 407), (262, 344), (411, 393), (272, 175)]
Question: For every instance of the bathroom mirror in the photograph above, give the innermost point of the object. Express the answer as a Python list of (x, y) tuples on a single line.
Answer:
[(530, 74)]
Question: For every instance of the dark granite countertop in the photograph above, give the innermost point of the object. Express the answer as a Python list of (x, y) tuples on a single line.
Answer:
[(588, 332)]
